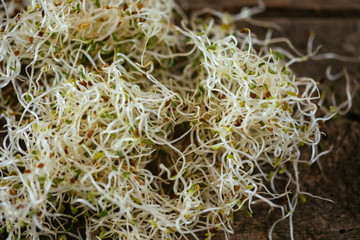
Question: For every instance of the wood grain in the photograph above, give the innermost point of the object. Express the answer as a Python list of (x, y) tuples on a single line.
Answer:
[(333, 5)]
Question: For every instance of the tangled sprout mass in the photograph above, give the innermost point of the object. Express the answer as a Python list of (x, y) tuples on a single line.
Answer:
[(132, 121)]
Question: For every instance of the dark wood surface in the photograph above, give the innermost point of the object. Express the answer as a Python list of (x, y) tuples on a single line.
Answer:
[(339, 179), (335, 5)]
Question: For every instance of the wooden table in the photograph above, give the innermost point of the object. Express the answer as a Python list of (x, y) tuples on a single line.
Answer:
[(337, 27)]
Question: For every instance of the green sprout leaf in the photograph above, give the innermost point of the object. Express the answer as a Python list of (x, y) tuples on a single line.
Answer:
[(98, 155), (202, 89), (28, 97), (56, 181), (271, 71), (103, 213), (291, 93), (73, 210), (216, 147), (211, 47), (333, 109), (97, 3)]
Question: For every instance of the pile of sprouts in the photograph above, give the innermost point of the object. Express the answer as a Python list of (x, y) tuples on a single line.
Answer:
[(127, 120)]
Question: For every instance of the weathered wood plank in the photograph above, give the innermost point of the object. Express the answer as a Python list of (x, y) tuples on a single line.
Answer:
[(333, 5)]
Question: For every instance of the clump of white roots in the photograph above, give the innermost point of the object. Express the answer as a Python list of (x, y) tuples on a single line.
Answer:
[(118, 116)]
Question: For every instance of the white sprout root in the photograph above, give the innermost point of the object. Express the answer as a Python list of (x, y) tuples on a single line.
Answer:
[(144, 125)]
